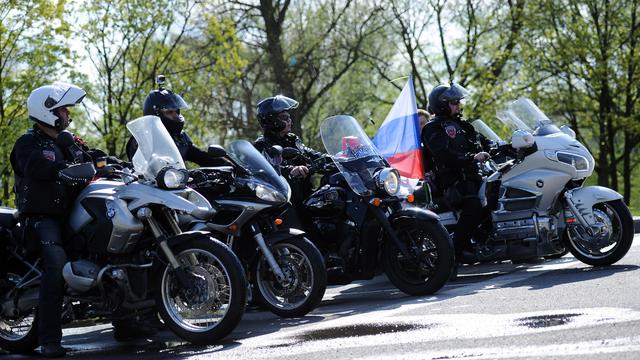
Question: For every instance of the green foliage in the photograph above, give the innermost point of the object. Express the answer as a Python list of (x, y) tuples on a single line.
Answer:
[(34, 52)]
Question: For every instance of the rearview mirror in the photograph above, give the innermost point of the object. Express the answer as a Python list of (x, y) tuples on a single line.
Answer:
[(216, 151), (521, 139)]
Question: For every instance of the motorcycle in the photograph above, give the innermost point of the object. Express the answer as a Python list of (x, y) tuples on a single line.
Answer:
[(539, 206), (357, 221), (285, 269), (126, 253)]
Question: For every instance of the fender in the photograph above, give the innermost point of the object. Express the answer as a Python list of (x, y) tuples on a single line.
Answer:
[(282, 234), (413, 213), (188, 235), (581, 201)]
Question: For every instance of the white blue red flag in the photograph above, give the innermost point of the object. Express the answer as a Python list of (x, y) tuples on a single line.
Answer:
[(398, 138)]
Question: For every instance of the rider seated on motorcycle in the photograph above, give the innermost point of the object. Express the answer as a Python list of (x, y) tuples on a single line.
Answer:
[(456, 150), (167, 105), (43, 200), (275, 119)]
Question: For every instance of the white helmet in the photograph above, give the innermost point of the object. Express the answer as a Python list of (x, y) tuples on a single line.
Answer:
[(43, 100)]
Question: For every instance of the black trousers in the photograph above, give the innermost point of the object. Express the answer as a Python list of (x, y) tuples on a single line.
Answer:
[(471, 216), (47, 231)]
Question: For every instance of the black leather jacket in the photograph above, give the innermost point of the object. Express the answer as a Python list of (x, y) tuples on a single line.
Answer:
[(452, 144), (36, 160), (300, 187)]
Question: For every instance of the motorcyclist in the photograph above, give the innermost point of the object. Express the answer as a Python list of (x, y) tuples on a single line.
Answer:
[(456, 150), (274, 115), (168, 105), (43, 199)]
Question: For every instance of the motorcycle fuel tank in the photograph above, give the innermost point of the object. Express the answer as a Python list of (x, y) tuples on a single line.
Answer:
[(327, 201)]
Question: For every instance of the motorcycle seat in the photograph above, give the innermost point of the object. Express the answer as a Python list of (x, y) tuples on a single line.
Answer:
[(8, 217)]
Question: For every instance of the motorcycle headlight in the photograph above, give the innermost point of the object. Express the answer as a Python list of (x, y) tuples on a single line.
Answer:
[(171, 178), (268, 194), (579, 162), (388, 180)]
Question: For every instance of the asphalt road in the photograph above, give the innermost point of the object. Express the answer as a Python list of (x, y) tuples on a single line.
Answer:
[(557, 309)]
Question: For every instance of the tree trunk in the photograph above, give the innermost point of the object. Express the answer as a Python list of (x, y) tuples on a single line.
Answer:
[(273, 19)]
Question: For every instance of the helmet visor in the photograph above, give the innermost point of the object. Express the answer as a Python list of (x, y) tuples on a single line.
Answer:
[(282, 103), (172, 102), (454, 93)]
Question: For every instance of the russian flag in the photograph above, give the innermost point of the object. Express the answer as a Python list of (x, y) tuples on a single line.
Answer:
[(398, 138)]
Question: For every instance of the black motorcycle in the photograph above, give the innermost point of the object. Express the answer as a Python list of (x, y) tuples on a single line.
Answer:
[(285, 269), (356, 218)]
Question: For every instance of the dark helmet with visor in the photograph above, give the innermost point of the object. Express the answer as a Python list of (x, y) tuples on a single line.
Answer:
[(269, 108), (441, 95), (164, 99)]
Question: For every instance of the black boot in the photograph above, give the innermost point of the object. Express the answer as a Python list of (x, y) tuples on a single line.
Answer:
[(53, 351), (454, 272), (129, 329)]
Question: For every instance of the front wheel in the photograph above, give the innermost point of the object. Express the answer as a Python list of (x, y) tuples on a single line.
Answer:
[(431, 261), (305, 279), (610, 240), (213, 303)]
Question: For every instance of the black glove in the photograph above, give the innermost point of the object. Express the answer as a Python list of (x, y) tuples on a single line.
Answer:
[(77, 174), (198, 176)]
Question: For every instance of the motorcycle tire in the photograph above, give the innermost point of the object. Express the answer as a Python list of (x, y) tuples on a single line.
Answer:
[(219, 273), (437, 252), (25, 342), (621, 223), (303, 265)]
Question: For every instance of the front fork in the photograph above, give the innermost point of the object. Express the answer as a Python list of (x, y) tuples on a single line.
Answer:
[(257, 235), (145, 214), (381, 216)]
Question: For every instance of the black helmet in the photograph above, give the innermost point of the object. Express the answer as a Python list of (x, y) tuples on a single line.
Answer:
[(441, 95), (164, 99), (269, 108)]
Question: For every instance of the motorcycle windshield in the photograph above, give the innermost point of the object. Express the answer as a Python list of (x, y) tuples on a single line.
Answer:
[(156, 148), (484, 129), (352, 151), (262, 172), (523, 114)]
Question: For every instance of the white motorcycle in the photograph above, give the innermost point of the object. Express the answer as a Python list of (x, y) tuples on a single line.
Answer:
[(539, 206)]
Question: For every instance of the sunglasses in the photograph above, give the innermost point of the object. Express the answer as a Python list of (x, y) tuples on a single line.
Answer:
[(284, 117), (454, 102)]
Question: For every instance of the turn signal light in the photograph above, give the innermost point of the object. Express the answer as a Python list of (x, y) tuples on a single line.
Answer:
[(278, 221), (233, 227), (410, 198), (376, 202)]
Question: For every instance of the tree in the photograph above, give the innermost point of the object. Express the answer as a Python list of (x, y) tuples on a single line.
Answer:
[(590, 54), (309, 46), (32, 52)]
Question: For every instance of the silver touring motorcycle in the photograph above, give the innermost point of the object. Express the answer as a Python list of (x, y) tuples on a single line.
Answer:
[(539, 204), (127, 254)]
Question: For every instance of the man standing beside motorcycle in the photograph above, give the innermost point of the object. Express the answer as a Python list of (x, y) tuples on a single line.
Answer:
[(456, 150), (275, 119), (43, 200), (167, 106)]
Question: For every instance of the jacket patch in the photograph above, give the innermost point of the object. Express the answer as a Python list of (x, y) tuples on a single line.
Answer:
[(49, 155), (451, 131)]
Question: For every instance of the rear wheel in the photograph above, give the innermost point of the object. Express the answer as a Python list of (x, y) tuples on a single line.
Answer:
[(431, 261), (609, 241), (211, 307), (18, 330), (305, 279)]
